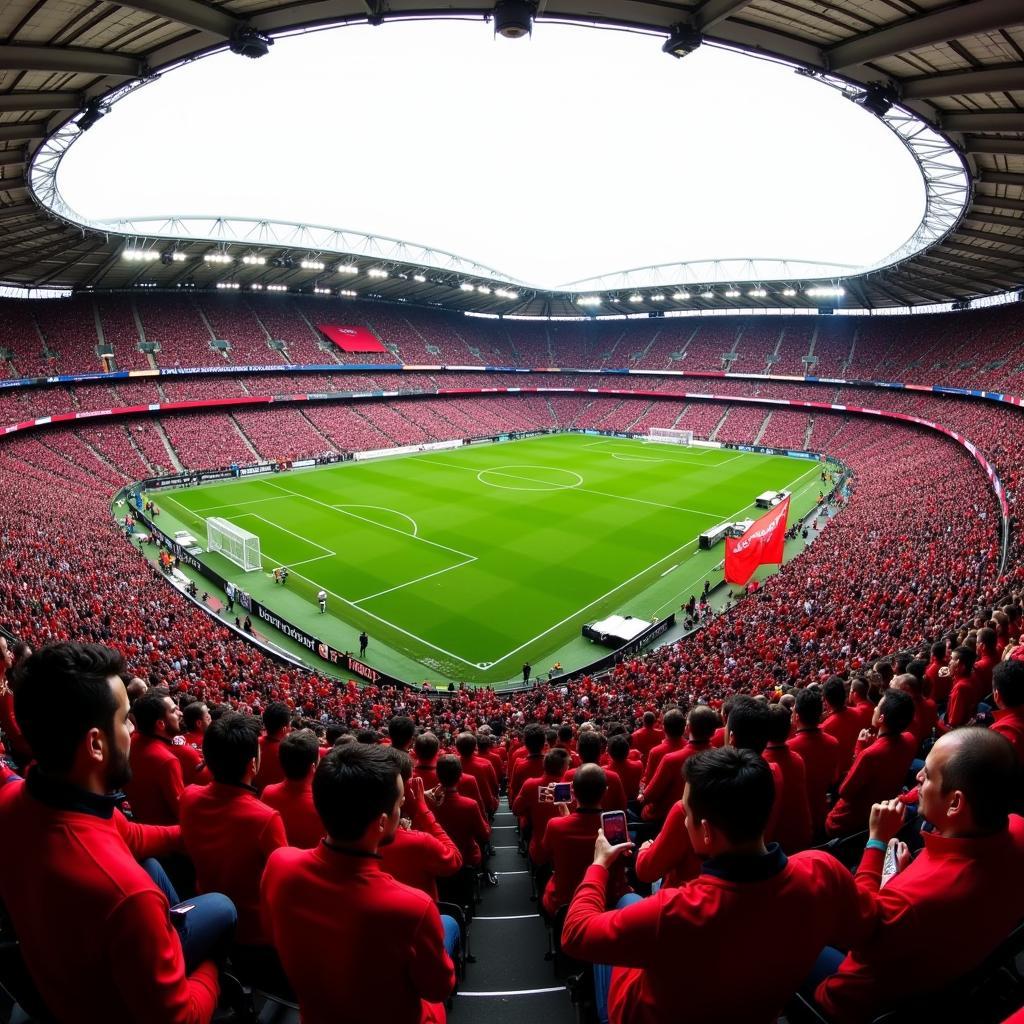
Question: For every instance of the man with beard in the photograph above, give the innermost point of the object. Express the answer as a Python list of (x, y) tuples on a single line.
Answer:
[(97, 931)]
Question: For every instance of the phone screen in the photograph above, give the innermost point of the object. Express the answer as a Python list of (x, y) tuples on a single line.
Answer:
[(563, 792), (614, 825)]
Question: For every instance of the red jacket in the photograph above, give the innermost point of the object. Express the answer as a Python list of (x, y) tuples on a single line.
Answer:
[(666, 785), (568, 847), (939, 919), (463, 820), (270, 764), (666, 746), (963, 702), (94, 928), (630, 772), (482, 770), (844, 726), (529, 767), (878, 773), (670, 856), (419, 856), (614, 798), (534, 814), (467, 784), (193, 768), (645, 740), (1010, 723), (157, 782), (792, 829), (680, 947), (356, 945), (293, 800), (229, 833), (820, 752), (926, 718)]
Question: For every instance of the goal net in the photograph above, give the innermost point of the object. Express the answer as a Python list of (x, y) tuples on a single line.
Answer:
[(666, 435), (234, 543)]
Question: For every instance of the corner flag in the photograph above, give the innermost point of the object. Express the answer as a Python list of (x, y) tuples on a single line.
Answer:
[(762, 544)]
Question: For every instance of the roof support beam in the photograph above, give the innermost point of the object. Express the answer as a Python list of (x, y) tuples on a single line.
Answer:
[(1009, 241), (981, 199), (980, 144), (12, 157), (40, 101), (1001, 178), (69, 59), (994, 218), (912, 33), (12, 183), (711, 12), (22, 132), (188, 12), (984, 121), (18, 210), (1005, 78)]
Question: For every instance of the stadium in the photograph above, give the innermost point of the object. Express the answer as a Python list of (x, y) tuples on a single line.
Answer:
[(387, 635)]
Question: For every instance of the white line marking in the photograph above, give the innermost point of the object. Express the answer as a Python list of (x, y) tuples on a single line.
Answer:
[(419, 579), (499, 873), (635, 458), (384, 508), (237, 504), (496, 828), (507, 917), (670, 568), (513, 992), (284, 529)]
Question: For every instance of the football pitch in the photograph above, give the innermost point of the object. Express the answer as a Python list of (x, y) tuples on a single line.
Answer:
[(462, 564)]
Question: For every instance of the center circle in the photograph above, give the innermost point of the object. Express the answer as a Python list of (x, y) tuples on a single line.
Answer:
[(525, 478)]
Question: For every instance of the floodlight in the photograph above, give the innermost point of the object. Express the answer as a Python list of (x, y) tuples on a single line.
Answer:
[(825, 292), (589, 300), (466, 286), (681, 296), (419, 278), (877, 98), (707, 295), (757, 293), (377, 272), (636, 297), (254, 261), (682, 40), (311, 265), (483, 289), (732, 293), (95, 110), (347, 292), (247, 41), (512, 295), (513, 19), (347, 268), (789, 292)]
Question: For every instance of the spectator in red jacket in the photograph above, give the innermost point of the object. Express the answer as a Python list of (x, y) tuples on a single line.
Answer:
[(401, 732), (229, 833), (94, 926), (531, 764), (648, 736), (568, 842), (480, 769), (843, 723), (987, 658), (589, 747), (880, 767), (277, 721), (534, 806), (820, 753), (356, 945), (157, 778), (1008, 687), (195, 719), (936, 681), (14, 745), (458, 815), (747, 729), (666, 786), (947, 909), (293, 799), (674, 724), (926, 714), (488, 751), (691, 939), (630, 769), (964, 695), (793, 827)]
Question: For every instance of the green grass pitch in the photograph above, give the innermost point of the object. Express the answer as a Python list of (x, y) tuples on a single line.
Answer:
[(462, 564)]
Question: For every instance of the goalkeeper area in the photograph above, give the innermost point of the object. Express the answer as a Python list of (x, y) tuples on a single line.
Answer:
[(463, 564)]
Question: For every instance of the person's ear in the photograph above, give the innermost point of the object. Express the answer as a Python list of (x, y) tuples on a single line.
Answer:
[(96, 745), (957, 804)]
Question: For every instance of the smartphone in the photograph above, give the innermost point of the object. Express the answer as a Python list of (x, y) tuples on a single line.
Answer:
[(563, 792), (614, 825), (889, 864)]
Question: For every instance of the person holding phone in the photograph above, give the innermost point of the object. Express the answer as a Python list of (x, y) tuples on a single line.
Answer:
[(537, 801), (680, 947), (568, 842)]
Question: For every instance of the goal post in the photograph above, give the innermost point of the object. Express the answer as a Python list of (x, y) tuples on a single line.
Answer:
[(234, 543), (666, 435)]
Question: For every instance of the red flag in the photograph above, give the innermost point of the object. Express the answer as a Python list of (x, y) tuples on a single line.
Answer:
[(762, 544)]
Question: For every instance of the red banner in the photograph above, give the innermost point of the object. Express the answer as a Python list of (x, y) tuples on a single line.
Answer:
[(762, 544), (352, 339)]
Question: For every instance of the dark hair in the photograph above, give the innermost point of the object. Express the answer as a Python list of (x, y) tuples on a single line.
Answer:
[(298, 752), (702, 722), (649, 718), (589, 783), (987, 638), (967, 658), (555, 761), (354, 785), (898, 709), (426, 746), (939, 650), (149, 709), (401, 729), (731, 788), (218, 710), (809, 707), (835, 693), (60, 693), (618, 747), (533, 738), (916, 667), (465, 744), (780, 722), (565, 732), (276, 716), (449, 770), (748, 724), (588, 746), (193, 714), (983, 766), (229, 746), (1008, 682), (368, 737), (404, 762), (674, 723)]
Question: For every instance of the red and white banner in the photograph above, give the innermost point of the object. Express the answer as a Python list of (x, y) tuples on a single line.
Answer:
[(762, 544), (352, 339)]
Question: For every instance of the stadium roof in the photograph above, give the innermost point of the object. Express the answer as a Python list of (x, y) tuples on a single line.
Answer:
[(959, 67)]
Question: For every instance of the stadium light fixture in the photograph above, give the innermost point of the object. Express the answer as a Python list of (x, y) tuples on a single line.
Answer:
[(657, 297), (877, 98), (757, 293), (589, 300), (377, 272), (707, 295), (513, 19), (789, 292), (825, 292), (466, 286), (347, 268), (483, 289), (228, 285), (732, 293), (512, 296), (256, 286), (347, 293), (249, 42), (311, 265), (636, 297), (419, 278), (254, 261), (682, 40), (277, 287), (217, 257), (95, 110), (681, 296), (141, 255)]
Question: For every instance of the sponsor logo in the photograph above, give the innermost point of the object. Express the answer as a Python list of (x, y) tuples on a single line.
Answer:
[(359, 669)]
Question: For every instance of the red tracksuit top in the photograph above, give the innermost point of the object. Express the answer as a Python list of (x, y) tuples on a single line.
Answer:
[(666, 785), (1010, 723), (529, 767), (229, 833), (630, 771), (792, 829), (820, 752), (356, 945), (463, 820), (614, 798), (482, 770), (270, 764), (157, 781), (878, 773), (535, 814), (667, 746), (419, 856), (675, 953), (844, 726), (293, 800), (93, 926), (645, 740), (670, 856), (939, 919)]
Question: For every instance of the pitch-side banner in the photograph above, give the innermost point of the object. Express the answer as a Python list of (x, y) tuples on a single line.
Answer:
[(762, 544)]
